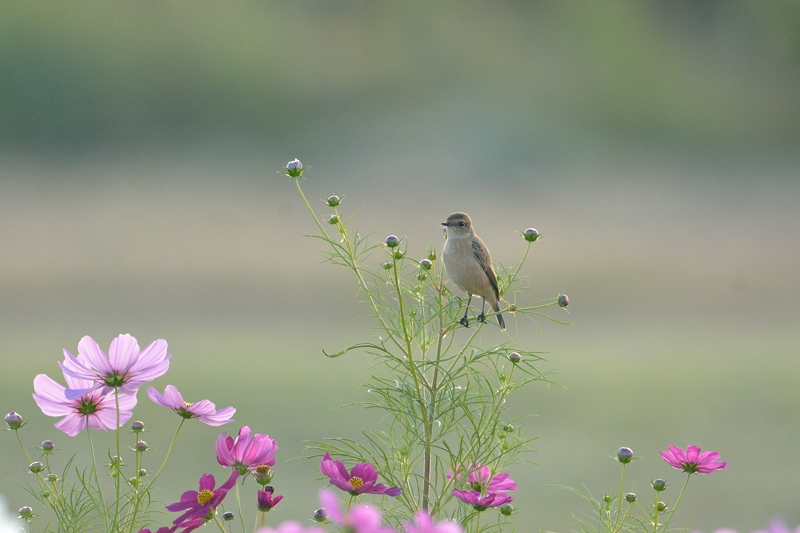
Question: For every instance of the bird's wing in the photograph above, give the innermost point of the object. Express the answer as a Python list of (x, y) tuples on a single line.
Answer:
[(485, 260)]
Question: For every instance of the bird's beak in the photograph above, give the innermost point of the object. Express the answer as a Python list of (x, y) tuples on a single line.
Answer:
[(445, 224)]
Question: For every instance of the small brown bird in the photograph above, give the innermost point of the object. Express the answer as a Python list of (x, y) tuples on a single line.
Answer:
[(469, 265)]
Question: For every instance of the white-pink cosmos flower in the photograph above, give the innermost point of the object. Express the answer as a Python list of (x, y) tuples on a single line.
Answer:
[(95, 409), (125, 367)]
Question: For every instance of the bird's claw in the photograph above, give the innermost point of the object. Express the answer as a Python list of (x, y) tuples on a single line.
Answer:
[(482, 318), (464, 322)]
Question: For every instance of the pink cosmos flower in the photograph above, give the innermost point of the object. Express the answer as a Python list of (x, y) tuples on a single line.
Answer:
[(692, 461), (291, 527), (245, 453), (481, 479), (359, 519), (205, 411), (163, 529), (265, 500), (481, 502), (96, 409), (778, 526), (125, 367), (200, 503), (361, 479), (423, 523)]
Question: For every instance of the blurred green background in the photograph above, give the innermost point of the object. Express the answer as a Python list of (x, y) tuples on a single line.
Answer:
[(655, 144)]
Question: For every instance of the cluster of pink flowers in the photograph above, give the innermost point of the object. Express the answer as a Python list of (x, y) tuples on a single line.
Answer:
[(484, 489), (94, 378)]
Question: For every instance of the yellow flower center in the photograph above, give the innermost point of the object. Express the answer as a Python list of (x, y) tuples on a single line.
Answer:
[(262, 469), (204, 496), (188, 404), (356, 481)]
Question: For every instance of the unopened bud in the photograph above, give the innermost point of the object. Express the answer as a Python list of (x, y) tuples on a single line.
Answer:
[(228, 516), (48, 446), (25, 512), (608, 498), (294, 169), (52, 478), (134, 481), (514, 357), (141, 446), (116, 462), (320, 515), (563, 300), (387, 265), (661, 506), (333, 201), (659, 485), (624, 455), (398, 254), (142, 472), (512, 308), (630, 497), (333, 219), (14, 421), (392, 241), (137, 427), (36, 467), (530, 235), (427, 264), (432, 254), (507, 510), (422, 276)]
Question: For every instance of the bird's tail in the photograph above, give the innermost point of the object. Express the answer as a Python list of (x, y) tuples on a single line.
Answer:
[(501, 322)]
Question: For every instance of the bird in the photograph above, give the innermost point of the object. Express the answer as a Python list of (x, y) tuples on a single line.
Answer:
[(469, 264)]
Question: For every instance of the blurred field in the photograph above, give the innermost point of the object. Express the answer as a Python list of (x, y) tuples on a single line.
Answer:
[(654, 145)]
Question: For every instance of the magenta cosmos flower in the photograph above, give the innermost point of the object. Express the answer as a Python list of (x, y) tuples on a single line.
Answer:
[(245, 452), (482, 502), (205, 411), (480, 478), (201, 503), (95, 409), (125, 367), (265, 500), (163, 529), (359, 519), (361, 479), (692, 461), (423, 523)]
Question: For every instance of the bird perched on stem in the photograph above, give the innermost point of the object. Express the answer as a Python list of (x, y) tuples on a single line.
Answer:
[(469, 265)]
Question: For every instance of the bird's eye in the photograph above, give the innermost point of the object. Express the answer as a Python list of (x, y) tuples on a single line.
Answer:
[(461, 224)]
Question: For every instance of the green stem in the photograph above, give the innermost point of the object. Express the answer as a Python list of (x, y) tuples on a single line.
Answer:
[(621, 485), (19, 439), (221, 527), (524, 257), (239, 505), (104, 511), (169, 453), (117, 465), (677, 503)]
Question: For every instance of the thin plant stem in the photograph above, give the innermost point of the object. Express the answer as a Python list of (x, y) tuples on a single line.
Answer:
[(117, 465), (619, 503), (96, 477), (239, 506), (677, 503), (169, 453)]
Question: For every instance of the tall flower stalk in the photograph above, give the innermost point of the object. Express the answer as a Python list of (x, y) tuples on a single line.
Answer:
[(443, 391)]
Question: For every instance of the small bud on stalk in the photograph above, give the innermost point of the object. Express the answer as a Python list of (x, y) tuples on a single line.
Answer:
[(630, 497), (25, 512), (47, 446), (624, 455), (659, 485), (52, 478), (661, 506), (333, 201), (530, 235), (14, 421), (294, 169), (563, 300), (427, 264), (514, 357), (228, 516), (507, 510), (320, 515), (137, 427), (333, 220), (141, 446), (36, 467), (392, 241)]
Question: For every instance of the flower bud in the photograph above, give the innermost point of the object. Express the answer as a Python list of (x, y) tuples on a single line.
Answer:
[(507, 510), (509, 428), (563, 300), (333, 201), (422, 276), (514, 357), (320, 515), (608, 498), (392, 241), (14, 421), (530, 235), (512, 308), (134, 481), (46, 494), (432, 254), (624, 455), (137, 427), (630, 497), (228, 516), (659, 485), (399, 254), (294, 169), (387, 265), (36, 467), (48, 446), (142, 472), (141, 446), (427, 264), (52, 478), (661, 506), (333, 220), (25, 512)]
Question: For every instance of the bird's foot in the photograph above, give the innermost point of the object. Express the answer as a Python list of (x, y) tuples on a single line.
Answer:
[(464, 322), (482, 318)]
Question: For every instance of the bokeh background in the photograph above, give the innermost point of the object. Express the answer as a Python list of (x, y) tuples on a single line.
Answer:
[(654, 144)]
